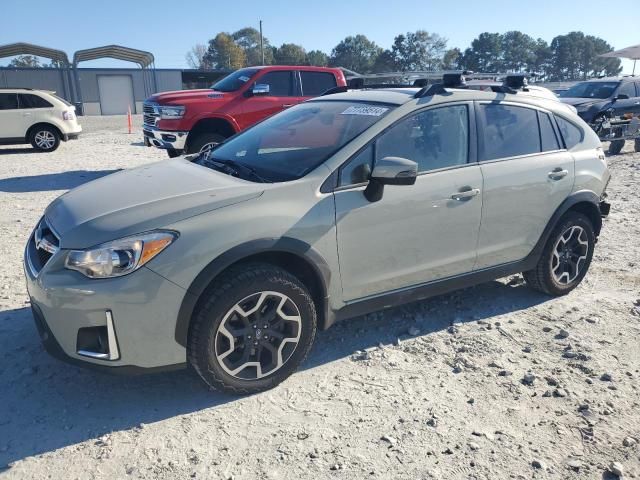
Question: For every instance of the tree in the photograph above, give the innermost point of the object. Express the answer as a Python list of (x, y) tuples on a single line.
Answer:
[(542, 62), (452, 59), (290, 54), (26, 61), (485, 53), (196, 57), (223, 52), (575, 57), (518, 51), (418, 50), (249, 40), (317, 58), (385, 62), (355, 53)]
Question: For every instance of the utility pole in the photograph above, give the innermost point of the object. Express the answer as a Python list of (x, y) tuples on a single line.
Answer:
[(261, 43)]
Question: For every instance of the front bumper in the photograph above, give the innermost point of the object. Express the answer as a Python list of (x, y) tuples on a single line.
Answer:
[(143, 307), (164, 139)]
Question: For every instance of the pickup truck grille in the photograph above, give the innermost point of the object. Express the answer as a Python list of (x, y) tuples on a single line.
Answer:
[(150, 114)]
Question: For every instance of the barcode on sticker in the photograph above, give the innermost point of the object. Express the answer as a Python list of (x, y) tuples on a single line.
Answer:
[(365, 110)]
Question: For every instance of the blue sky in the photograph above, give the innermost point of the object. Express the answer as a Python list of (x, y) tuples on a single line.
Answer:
[(169, 28)]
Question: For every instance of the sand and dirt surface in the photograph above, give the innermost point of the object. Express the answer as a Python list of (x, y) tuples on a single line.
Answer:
[(492, 382)]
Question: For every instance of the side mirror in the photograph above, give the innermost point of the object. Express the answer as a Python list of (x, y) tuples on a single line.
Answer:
[(260, 89), (622, 96), (390, 171)]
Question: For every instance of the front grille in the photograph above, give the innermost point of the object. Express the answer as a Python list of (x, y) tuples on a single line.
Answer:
[(44, 243), (150, 114)]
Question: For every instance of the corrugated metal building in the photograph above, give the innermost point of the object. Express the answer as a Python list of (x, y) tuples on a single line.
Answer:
[(100, 91)]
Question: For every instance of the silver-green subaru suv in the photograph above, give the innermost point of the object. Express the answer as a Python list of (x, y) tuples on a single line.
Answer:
[(346, 204)]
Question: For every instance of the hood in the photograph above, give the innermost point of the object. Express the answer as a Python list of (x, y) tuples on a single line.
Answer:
[(183, 95), (583, 103), (142, 199)]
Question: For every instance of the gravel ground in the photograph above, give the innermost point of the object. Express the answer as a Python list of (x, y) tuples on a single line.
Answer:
[(492, 382)]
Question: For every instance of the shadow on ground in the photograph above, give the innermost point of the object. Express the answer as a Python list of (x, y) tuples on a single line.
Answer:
[(51, 181), (19, 150), (46, 404)]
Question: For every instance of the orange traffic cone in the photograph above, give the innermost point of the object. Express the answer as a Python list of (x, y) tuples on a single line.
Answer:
[(129, 119)]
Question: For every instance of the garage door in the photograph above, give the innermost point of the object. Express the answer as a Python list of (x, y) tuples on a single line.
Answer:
[(116, 94)]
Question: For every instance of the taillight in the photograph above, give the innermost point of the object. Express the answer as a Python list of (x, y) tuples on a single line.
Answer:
[(68, 115)]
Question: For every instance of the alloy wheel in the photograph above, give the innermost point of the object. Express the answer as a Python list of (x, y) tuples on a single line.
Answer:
[(207, 147), (258, 335), (45, 140), (569, 255)]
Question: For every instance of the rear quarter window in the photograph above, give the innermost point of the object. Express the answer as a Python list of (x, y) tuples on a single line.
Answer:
[(316, 83), (28, 100), (571, 134)]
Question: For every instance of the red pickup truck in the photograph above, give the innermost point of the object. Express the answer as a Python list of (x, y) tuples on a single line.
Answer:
[(190, 121)]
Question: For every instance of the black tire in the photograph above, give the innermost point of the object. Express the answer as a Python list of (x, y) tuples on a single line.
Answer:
[(637, 145), (173, 153), (616, 146), (196, 144), (45, 138), (234, 287), (542, 278)]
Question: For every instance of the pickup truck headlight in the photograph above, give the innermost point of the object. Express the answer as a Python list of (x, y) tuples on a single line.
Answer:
[(173, 112), (119, 257)]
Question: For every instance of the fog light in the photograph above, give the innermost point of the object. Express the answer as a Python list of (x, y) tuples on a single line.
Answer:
[(98, 342)]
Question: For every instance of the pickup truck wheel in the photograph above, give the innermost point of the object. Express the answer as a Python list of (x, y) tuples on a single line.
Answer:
[(173, 153), (616, 146), (566, 257), (204, 142), (45, 138), (252, 329)]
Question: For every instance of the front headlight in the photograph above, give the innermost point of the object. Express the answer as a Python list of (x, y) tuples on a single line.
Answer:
[(120, 257), (171, 112)]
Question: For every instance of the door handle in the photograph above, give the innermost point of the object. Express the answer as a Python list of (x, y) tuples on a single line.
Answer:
[(288, 105), (465, 193), (558, 173)]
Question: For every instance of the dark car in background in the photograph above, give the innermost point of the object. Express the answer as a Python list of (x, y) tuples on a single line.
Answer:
[(595, 97)]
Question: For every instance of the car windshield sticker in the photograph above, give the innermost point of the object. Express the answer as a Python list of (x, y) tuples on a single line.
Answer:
[(365, 110), (243, 79)]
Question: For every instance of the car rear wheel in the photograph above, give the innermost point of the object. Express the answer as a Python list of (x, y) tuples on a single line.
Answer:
[(616, 146), (204, 142), (252, 330), (566, 257), (45, 138)]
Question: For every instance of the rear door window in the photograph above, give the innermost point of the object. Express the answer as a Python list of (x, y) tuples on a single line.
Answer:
[(627, 88), (507, 131), (548, 136), (8, 101), (316, 83), (280, 83), (571, 134), (28, 100)]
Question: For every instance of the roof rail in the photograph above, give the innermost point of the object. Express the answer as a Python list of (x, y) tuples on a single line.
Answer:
[(362, 86), (449, 80)]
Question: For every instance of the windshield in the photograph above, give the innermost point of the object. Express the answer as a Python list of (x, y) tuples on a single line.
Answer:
[(235, 80), (591, 90), (289, 145)]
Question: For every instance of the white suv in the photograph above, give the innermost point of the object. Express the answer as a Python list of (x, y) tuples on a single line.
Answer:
[(37, 117)]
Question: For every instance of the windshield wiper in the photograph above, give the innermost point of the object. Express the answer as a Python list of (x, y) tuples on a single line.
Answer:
[(237, 169)]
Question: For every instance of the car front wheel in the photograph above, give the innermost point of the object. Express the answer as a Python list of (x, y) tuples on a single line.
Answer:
[(204, 142), (252, 329), (45, 139), (566, 257)]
